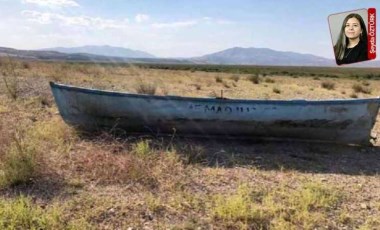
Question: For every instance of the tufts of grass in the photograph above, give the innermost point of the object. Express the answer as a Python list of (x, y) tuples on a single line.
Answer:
[(142, 148), (361, 89), (239, 210), (21, 213), (305, 207), (315, 197), (29, 154), (328, 85), (192, 153), (10, 74), (19, 165)]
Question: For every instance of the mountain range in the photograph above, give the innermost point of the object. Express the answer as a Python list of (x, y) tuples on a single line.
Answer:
[(232, 56), (103, 50)]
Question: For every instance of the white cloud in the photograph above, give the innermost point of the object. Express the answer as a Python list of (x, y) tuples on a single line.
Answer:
[(175, 24), (53, 3), (141, 18), (93, 22)]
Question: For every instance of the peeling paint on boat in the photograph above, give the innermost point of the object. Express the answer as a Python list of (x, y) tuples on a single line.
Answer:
[(343, 121)]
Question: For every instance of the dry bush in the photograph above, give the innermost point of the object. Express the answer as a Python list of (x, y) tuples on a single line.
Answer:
[(19, 163), (26, 65), (328, 85), (218, 79), (191, 153), (353, 95), (146, 88), (10, 75), (269, 80), (198, 86), (361, 89), (226, 85), (276, 90), (365, 83), (255, 79), (235, 78)]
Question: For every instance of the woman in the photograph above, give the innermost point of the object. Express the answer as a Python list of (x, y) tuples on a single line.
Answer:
[(352, 42)]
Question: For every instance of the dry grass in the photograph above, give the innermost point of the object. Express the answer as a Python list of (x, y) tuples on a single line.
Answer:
[(82, 181)]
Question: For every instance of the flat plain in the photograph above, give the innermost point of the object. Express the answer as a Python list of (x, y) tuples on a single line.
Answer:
[(55, 177)]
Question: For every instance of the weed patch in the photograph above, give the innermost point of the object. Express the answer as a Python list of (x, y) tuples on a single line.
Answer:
[(21, 213)]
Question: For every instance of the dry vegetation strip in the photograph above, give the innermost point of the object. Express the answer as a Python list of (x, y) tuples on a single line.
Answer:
[(53, 177)]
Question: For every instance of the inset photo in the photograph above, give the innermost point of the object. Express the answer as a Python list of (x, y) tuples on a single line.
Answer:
[(350, 38)]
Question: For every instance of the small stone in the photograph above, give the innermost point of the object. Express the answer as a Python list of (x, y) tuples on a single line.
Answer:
[(364, 206), (111, 210)]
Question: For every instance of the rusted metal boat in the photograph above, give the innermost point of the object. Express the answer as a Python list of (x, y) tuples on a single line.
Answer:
[(341, 121)]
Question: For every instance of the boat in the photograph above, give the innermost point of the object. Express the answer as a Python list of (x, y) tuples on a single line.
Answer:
[(347, 121)]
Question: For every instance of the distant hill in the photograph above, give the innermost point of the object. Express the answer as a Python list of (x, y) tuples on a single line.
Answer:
[(103, 51), (263, 56), (233, 56), (58, 56)]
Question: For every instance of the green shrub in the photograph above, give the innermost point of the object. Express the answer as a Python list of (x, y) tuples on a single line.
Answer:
[(142, 148), (240, 209), (21, 213)]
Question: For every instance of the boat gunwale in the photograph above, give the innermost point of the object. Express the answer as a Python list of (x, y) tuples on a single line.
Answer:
[(218, 100)]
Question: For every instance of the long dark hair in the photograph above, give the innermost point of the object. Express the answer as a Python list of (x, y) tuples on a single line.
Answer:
[(342, 42)]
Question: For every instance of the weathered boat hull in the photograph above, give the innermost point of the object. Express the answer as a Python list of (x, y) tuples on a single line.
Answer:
[(344, 121)]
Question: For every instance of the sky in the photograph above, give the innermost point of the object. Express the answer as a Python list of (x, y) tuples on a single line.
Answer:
[(174, 28)]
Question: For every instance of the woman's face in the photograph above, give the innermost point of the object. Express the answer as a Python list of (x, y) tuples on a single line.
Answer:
[(353, 28)]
